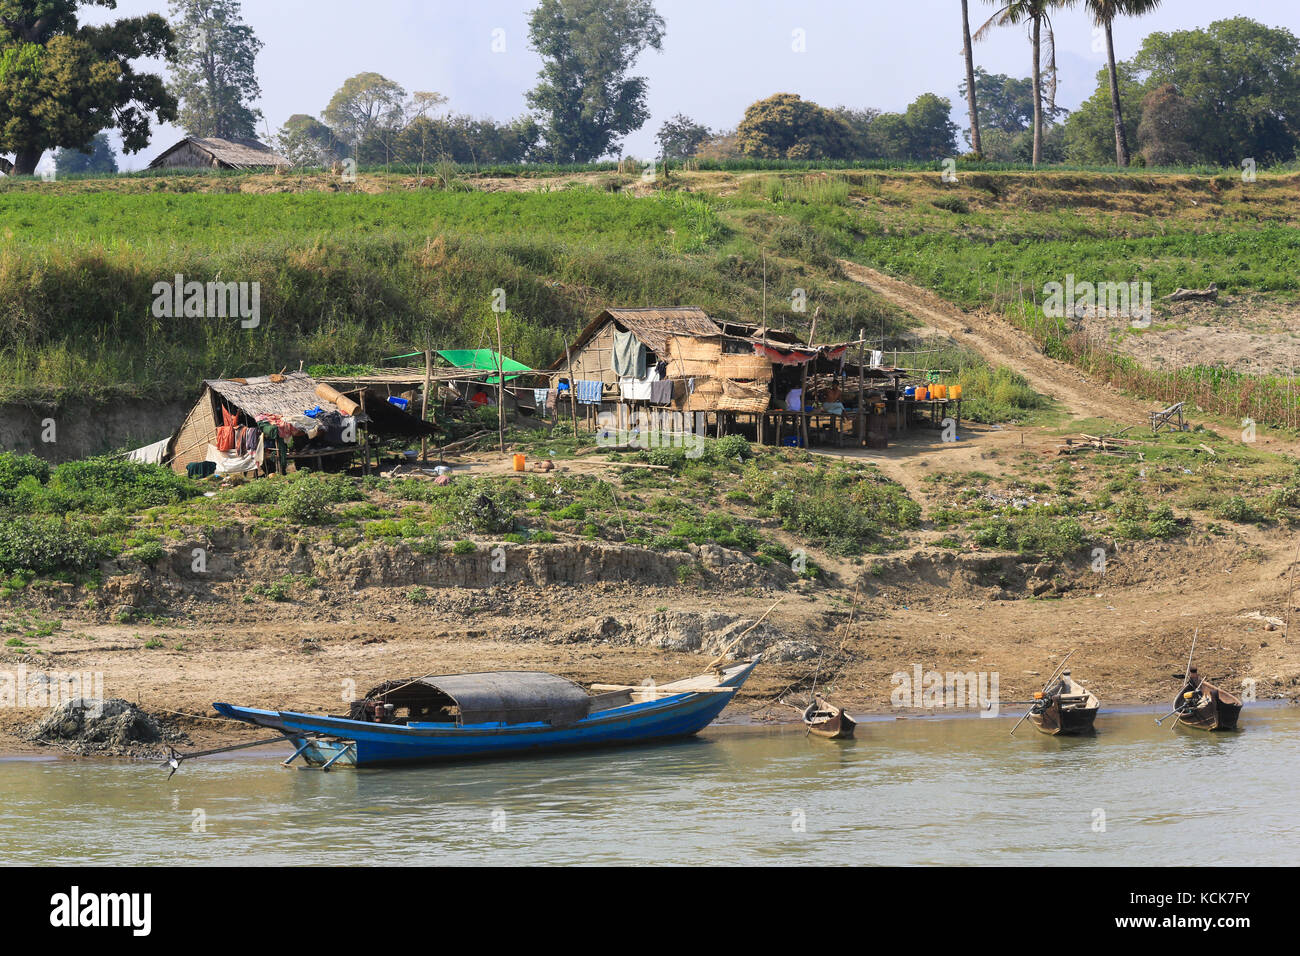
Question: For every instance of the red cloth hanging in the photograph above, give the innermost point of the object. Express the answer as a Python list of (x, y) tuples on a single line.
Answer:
[(226, 432)]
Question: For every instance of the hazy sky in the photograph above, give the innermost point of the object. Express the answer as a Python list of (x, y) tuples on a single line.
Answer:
[(718, 57)]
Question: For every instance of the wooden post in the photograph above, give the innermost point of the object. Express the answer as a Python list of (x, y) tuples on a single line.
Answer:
[(573, 391), (501, 390), (424, 410), (365, 442), (803, 385), (862, 411)]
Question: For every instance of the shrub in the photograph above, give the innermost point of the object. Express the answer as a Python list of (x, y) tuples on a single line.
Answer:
[(306, 501), (149, 554), (14, 468), (48, 545), (103, 484)]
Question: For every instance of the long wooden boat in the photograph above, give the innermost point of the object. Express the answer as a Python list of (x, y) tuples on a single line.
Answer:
[(1205, 706), (828, 720), (1065, 708), (460, 716)]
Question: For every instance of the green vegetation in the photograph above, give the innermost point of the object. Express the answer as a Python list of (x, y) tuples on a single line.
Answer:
[(350, 278)]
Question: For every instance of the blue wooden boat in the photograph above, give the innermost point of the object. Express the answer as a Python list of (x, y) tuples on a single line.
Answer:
[(459, 716)]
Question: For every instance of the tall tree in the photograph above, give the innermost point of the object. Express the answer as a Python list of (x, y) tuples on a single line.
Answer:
[(680, 136), (365, 105), (214, 73), (97, 157), (1103, 14), (62, 82), (1242, 79), (784, 126), (1036, 16), (975, 142), (585, 97)]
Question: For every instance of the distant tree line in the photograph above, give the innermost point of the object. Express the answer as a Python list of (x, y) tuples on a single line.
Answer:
[(1217, 95)]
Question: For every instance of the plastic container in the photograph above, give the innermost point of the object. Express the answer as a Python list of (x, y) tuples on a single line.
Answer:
[(922, 393), (938, 391), (519, 462), (402, 403), (909, 391), (954, 391)]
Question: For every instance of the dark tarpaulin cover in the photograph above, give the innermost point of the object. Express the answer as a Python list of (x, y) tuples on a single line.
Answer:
[(511, 697)]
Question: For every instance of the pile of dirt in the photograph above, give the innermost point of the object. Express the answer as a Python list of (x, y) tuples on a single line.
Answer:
[(113, 728)]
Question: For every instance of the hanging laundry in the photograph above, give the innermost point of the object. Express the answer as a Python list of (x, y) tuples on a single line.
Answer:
[(661, 392), (588, 392), (539, 398), (629, 355), (877, 358), (226, 431), (634, 390), (151, 454)]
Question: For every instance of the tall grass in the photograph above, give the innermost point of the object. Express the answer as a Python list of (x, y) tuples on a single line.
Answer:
[(349, 279)]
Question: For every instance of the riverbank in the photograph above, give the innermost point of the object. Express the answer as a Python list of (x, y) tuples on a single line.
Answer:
[(1130, 642)]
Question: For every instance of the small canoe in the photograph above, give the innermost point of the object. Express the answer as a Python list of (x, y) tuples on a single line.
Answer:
[(428, 719), (1066, 708), (1205, 706), (827, 720)]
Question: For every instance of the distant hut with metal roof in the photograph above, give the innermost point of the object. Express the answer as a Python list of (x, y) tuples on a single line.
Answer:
[(211, 152)]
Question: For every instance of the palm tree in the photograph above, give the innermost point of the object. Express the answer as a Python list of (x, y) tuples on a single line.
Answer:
[(970, 82), (1104, 13), (1037, 14)]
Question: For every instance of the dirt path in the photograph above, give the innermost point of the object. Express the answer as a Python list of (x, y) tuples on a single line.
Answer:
[(999, 341)]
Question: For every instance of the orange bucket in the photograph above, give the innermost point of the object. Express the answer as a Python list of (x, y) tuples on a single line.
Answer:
[(921, 393), (939, 391), (954, 391), (519, 462)]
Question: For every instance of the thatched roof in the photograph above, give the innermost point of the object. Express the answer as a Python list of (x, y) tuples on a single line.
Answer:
[(231, 153), (651, 326), (292, 395)]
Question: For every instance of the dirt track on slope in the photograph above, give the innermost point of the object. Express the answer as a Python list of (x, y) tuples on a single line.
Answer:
[(999, 341)]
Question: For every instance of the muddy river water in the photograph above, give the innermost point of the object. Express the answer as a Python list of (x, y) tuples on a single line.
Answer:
[(955, 791)]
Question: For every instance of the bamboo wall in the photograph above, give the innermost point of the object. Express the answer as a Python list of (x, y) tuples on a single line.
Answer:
[(595, 360), (196, 432)]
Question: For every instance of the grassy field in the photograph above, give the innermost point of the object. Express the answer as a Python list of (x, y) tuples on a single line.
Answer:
[(994, 241), (352, 275)]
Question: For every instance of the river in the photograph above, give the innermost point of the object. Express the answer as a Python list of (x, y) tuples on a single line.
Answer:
[(921, 791)]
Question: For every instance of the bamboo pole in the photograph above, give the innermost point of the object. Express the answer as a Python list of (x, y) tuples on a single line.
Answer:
[(501, 390), (424, 404), (862, 412), (718, 660), (803, 385), (573, 390)]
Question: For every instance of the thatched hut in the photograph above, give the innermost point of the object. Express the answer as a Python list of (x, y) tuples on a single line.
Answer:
[(212, 152), (282, 395), (592, 352)]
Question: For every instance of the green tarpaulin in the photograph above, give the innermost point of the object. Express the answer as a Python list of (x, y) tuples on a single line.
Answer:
[(485, 359)]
